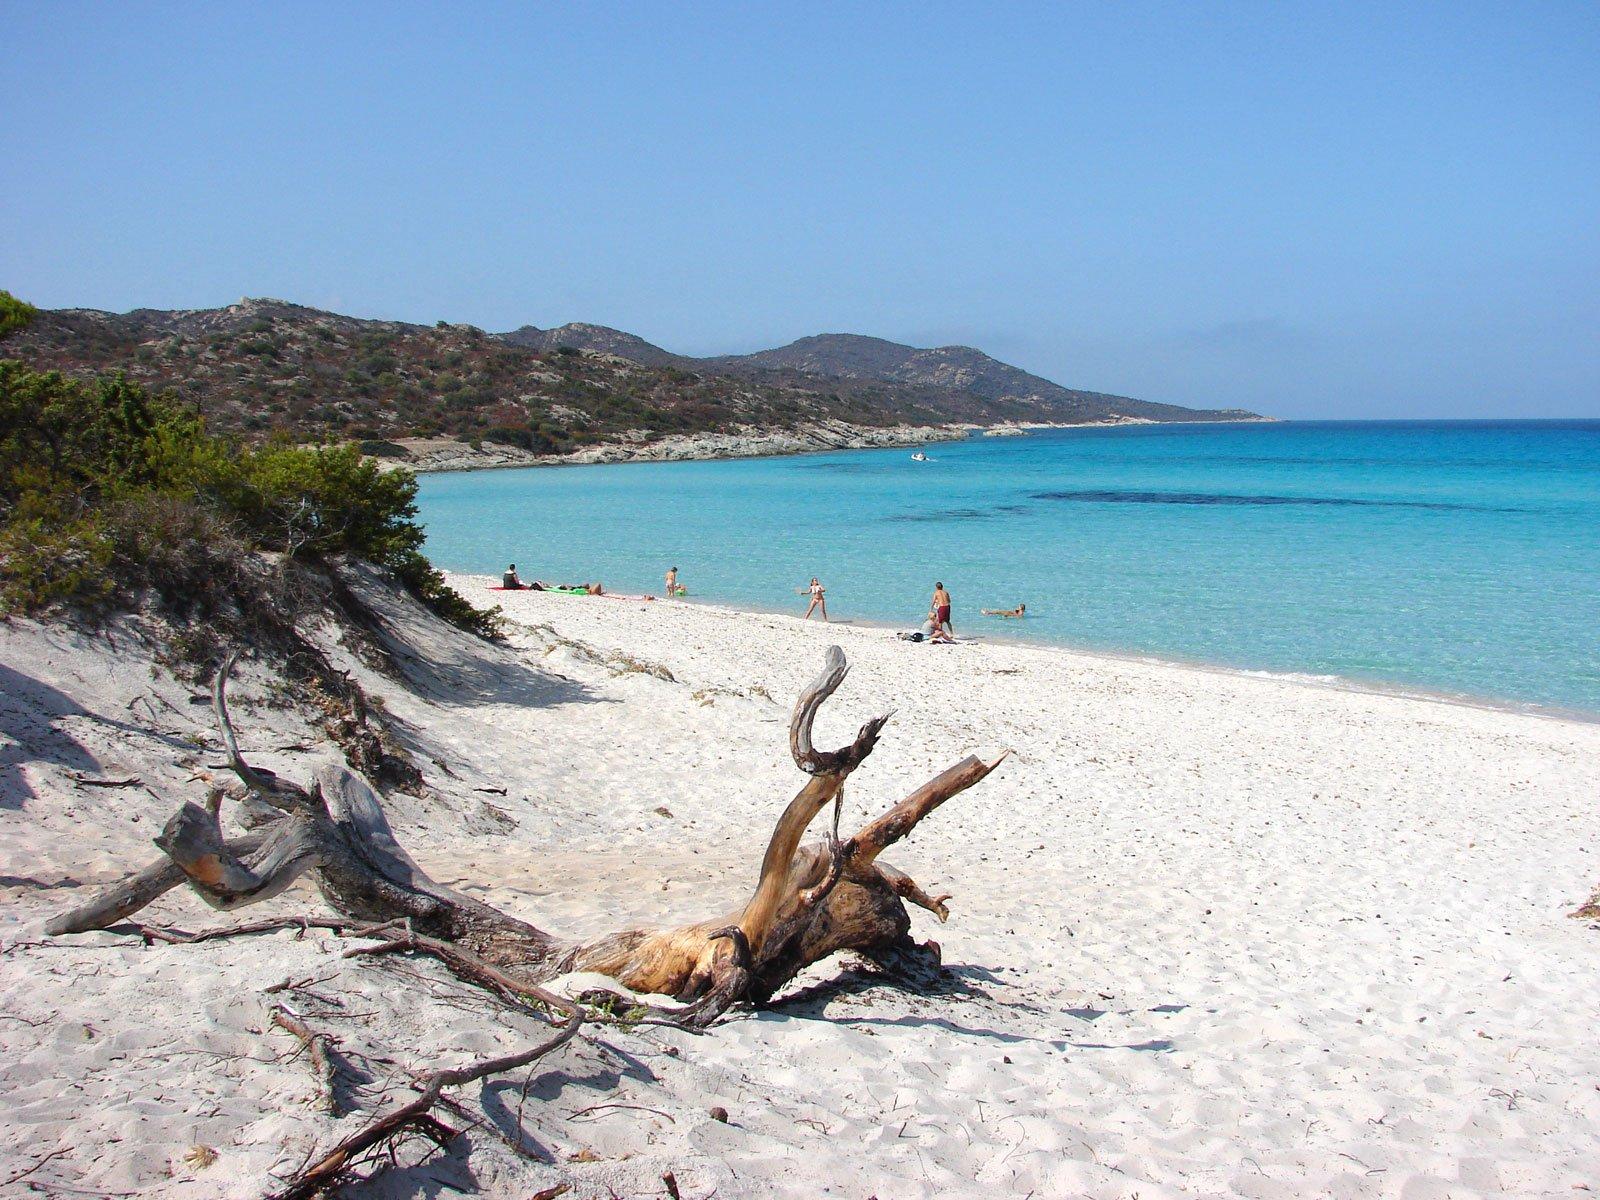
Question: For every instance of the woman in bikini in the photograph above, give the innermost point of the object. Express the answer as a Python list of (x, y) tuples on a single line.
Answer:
[(818, 600)]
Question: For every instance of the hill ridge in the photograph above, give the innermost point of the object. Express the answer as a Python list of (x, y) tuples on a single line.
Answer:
[(263, 365)]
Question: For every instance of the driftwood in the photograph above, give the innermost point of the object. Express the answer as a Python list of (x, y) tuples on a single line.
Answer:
[(809, 902), (415, 1116), (316, 1046), (1589, 910)]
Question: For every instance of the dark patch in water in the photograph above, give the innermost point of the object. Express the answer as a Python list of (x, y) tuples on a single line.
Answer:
[(845, 467), (947, 514), (1215, 498)]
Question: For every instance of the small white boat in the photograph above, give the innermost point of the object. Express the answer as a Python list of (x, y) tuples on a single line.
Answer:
[(919, 456)]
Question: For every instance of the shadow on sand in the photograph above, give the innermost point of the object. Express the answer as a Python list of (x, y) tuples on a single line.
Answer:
[(447, 666)]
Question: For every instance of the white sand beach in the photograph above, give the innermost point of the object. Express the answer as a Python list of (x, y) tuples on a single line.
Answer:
[(1211, 934)]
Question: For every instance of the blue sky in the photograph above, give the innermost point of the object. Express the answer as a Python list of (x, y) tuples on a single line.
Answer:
[(1308, 209)]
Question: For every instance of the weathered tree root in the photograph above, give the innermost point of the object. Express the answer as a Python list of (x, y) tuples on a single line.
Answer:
[(334, 1167), (316, 1047), (809, 902), (176, 937)]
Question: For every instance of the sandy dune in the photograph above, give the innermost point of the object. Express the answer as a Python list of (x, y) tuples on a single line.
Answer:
[(1212, 934)]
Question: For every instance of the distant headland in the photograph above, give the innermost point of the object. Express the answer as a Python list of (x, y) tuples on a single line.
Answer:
[(455, 396)]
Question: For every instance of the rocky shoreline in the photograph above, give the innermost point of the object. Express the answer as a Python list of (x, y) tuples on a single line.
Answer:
[(450, 454)]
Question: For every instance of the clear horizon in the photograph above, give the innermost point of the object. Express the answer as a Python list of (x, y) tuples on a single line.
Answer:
[(1324, 213)]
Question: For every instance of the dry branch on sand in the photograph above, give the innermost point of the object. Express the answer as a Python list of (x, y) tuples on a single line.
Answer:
[(809, 901), (1589, 910)]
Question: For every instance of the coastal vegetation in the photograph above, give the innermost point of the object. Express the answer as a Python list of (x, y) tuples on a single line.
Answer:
[(111, 496), (14, 314)]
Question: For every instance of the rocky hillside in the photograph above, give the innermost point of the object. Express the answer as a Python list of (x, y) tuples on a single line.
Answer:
[(599, 339), (851, 359), (961, 369), (266, 365)]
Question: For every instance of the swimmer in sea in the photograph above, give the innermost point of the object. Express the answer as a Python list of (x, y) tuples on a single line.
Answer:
[(1020, 610)]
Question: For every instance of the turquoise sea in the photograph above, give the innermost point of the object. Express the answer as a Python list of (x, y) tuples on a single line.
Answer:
[(1458, 557)]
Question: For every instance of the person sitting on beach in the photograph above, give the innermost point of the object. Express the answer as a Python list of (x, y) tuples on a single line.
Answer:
[(931, 631), (1020, 610), (817, 600), (510, 582)]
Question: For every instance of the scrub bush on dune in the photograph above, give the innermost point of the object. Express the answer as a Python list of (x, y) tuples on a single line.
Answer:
[(109, 495)]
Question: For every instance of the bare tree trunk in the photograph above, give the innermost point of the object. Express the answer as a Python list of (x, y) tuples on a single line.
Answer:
[(808, 902)]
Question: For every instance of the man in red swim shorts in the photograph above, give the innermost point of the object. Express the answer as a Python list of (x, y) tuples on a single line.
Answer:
[(941, 605)]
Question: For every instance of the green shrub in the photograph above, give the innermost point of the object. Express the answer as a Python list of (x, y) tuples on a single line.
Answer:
[(318, 501), (45, 560), (382, 448), (14, 314), (107, 493), (510, 435), (540, 439)]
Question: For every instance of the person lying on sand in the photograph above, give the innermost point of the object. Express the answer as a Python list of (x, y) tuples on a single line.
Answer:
[(594, 589), (1020, 610), (512, 582)]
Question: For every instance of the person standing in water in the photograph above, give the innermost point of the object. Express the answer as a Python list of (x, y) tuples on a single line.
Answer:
[(818, 600), (941, 605), (674, 588)]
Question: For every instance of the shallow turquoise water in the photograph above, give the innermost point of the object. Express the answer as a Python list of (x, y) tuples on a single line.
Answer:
[(1453, 556)]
